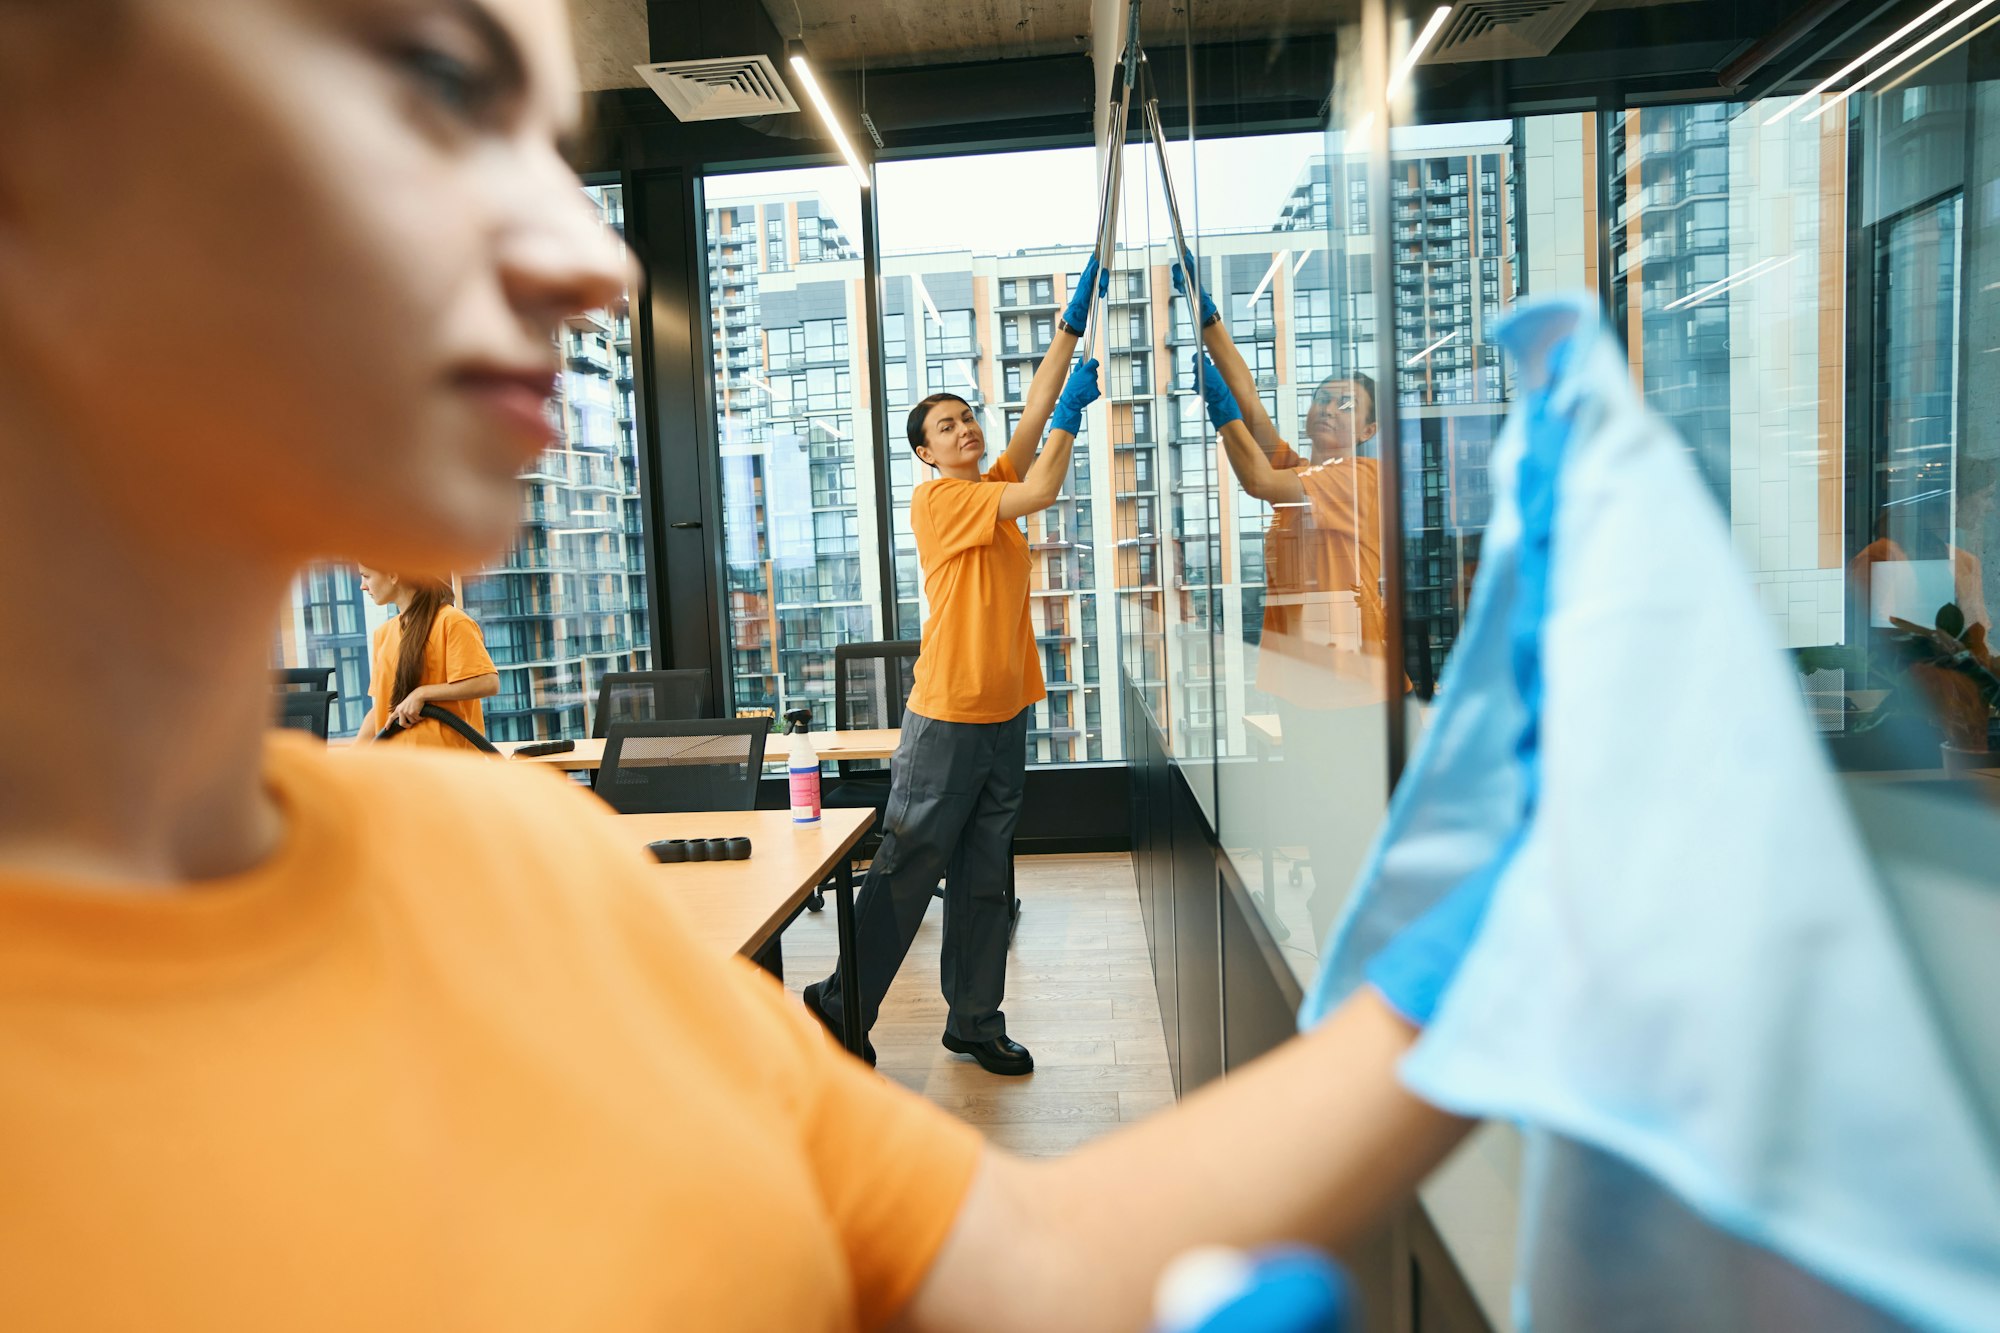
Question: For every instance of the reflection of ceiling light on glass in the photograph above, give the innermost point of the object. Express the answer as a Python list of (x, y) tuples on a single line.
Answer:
[(1277, 262), (825, 108), (1759, 269), (1936, 56), (1859, 61), (830, 428), (1893, 61), (1416, 51), (768, 390), (1432, 348), (930, 306), (1304, 255), (965, 373)]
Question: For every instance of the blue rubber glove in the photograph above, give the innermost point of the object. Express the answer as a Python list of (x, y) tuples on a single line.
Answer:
[(1078, 392), (1413, 970), (1215, 393), (1287, 1290), (1222, 408), (1077, 313), (1181, 272)]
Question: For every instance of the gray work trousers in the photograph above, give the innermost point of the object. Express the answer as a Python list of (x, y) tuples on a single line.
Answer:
[(954, 799)]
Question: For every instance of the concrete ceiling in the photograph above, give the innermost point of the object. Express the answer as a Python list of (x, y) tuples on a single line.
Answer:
[(610, 40), (611, 34), (936, 32)]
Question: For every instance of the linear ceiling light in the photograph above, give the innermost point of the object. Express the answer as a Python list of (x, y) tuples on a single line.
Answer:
[(1893, 61), (1860, 60), (1416, 51), (1277, 262), (1432, 348), (826, 117), (769, 392), (1304, 255), (829, 428)]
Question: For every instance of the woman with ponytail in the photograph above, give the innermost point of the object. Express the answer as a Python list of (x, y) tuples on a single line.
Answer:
[(430, 652)]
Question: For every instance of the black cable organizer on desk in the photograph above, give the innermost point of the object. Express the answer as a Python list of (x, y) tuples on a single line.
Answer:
[(672, 851)]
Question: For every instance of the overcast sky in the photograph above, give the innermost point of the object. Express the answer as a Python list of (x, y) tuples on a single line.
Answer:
[(998, 202)]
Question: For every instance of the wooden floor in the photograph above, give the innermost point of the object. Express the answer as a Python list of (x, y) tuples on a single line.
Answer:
[(1079, 996)]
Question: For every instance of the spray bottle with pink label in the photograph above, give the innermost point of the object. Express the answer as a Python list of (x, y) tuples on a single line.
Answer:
[(804, 766)]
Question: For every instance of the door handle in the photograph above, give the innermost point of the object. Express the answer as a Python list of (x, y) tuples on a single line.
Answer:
[(686, 523)]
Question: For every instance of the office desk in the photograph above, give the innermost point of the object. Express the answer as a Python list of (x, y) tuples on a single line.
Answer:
[(876, 743), (740, 906)]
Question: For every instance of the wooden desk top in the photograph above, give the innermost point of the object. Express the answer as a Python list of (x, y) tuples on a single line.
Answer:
[(877, 743), (737, 906)]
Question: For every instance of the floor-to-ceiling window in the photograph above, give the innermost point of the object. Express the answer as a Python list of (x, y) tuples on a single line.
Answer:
[(970, 296), (568, 603), (788, 360)]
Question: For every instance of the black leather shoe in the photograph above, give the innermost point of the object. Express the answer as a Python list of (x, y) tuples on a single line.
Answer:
[(996, 1055), (811, 996)]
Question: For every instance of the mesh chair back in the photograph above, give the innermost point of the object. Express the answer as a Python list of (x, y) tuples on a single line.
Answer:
[(306, 710), (303, 678), (651, 696), (871, 684), (653, 768)]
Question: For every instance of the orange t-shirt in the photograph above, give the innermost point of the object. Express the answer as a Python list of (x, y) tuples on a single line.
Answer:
[(1332, 543), (456, 651), (978, 662), (462, 1068)]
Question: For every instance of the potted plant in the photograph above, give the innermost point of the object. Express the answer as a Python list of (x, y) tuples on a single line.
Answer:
[(1954, 671)]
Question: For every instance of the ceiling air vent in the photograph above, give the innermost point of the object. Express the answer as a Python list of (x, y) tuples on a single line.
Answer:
[(726, 89), (1504, 29)]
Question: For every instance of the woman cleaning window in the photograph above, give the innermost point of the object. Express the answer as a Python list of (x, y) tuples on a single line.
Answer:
[(304, 1041)]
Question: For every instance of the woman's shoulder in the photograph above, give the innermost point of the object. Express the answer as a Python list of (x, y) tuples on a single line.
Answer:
[(499, 823)]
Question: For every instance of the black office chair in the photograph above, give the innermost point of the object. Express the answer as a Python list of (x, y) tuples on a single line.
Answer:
[(651, 696), (303, 678), (655, 768), (306, 710), (871, 684)]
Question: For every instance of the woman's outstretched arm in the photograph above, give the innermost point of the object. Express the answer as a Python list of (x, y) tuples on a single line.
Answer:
[(1235, 371), (1314, 1142), (1048, 382)]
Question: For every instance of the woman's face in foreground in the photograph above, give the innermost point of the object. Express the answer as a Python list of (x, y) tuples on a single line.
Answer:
[(287, 271)]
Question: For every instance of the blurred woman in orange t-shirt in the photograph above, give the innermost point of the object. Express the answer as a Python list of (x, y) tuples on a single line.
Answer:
[(429, 653)]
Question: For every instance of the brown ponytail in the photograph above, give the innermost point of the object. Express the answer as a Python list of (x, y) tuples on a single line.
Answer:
[(432, 595)]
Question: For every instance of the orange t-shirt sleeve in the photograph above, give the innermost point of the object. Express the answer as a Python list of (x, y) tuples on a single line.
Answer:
[(954, 516), (892, 1170), (465, 653), (1284, 457)]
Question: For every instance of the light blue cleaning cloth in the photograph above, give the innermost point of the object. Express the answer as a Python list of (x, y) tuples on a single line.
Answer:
[(1686, 986)]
